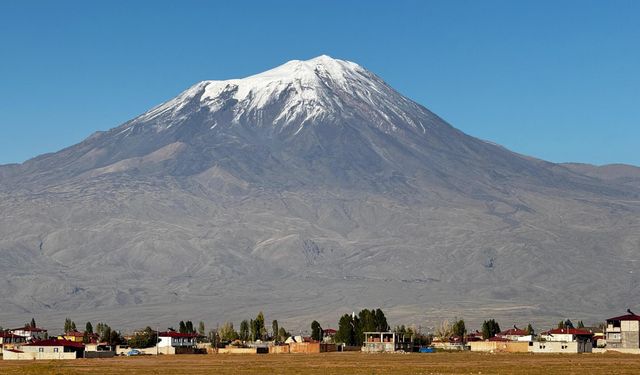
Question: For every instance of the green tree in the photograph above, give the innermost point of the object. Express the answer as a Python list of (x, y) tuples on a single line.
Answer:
[(282, 333), (67, 325), (530, 330), (347, 330), (381, 321), (261, 330), (276, 331), (490, 328), (244, 330), (88, 328), (201, 328), (85, 337), (33, 323), (115, 338), (106, 334), (459, 328), (144, 339), (189, 327), (316, 331), (227, 332), (182, 328), (580, 324)]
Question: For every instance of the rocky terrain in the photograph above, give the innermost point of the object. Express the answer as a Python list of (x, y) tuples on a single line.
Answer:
[(307, 191)]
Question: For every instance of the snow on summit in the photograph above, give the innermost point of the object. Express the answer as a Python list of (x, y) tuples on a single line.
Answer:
[(293, 94)]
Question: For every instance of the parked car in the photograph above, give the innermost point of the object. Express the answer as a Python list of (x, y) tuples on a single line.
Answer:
[(134, 352)]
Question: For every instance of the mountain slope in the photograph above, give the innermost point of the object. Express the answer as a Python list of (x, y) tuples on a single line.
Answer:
[(309, 190)]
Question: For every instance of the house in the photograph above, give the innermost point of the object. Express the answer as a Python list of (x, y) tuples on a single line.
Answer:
[(385, 342), (45, 349), (172, 342), (623, 332), (474, 336), (329, 335), (515, 334), (9, 340), (76, 336), (30, 333), (563, 340), (96, 349)]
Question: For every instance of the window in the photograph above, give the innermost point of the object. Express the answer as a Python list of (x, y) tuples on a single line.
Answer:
[(41, 350), (55, 350)]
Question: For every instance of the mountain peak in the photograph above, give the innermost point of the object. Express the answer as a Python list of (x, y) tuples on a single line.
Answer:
[(293, 94)]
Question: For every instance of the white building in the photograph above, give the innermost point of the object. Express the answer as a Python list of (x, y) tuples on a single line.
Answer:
[(46, 350), (172, 339), (564, 340), (623, 333), (30, 333)]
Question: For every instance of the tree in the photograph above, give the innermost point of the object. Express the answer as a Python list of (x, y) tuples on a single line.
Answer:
[(346, 330), (400, 330), (85, 337), (380, 321), (316, 331), (580, 324), (530, 330), (458, 328), (201, 329), (33, 323), (227, 332), (67, 325), (182, 327), (274, 329), (244, 330), (282, 333), (114, 338), (213, 337), (189, 327), (106, 334), (444, 331), (144, 339), (261, 330), (490, 328), (88, 328)]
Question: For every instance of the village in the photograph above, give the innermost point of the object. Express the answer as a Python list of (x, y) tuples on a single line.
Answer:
[(366, 331)]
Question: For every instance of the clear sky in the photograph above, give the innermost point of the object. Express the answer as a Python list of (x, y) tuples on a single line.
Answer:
[(559, 80)]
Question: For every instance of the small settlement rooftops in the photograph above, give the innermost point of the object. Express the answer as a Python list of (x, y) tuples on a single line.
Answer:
[(568, 331), (175, 335), (56, 342), (625, 317), (28, 329), (513, 332)]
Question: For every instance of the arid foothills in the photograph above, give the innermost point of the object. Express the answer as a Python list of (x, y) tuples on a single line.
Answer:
[(307, 191)]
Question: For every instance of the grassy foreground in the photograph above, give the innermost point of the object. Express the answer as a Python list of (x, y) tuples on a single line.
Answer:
[(339, 363)]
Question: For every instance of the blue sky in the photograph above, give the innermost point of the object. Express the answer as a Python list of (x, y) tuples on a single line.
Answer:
[(559, 80)]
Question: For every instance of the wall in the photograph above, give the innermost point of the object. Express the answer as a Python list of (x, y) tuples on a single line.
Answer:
[(630, 334), (560, 347), (311, 347), (13, 356), (233, 350), (279, 349), (499, 346)]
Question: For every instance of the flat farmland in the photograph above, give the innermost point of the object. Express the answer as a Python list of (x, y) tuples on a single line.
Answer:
[(339, 363)]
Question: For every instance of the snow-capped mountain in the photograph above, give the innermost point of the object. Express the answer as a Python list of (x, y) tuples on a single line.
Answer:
[(320, 90), (308, 190)]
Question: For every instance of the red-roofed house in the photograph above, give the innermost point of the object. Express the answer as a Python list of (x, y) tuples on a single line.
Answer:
[(9, 340), (169, 341), (30, 333), (45, 349), (515, 334), (623, 332), (564, 340)]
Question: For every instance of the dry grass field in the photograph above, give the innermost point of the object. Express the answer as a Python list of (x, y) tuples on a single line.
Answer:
[(339, 363)]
